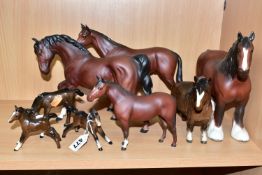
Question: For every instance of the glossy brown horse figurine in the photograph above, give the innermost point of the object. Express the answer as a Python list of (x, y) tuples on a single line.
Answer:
[(129, 107), (30, 124), (194, 105), (81, 68), (91, 123), (231, 86), (63, 97), (163, 61)]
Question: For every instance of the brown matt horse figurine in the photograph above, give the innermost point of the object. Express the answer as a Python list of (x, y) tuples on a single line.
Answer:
[(81, 68), (162, 61), (194, 105), (31, 125), (129, 107), (231, 86)]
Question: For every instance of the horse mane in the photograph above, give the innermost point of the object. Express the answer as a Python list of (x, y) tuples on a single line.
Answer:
[(51, 40), (229, 64), (108, 39)]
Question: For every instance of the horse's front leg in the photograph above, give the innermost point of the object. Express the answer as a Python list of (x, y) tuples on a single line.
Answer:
[(215, 130), (93, 132), (203, 134), (21, 141), (103, 134), (238, 131), (189, 136), (125, 129), (47, 109)]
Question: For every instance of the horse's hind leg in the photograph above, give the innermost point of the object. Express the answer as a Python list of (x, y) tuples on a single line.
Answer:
[(103, 134), (99, 146), (164, 128), (67, 129), (172, 126), (21, 141), (51, 132), (238, 131)]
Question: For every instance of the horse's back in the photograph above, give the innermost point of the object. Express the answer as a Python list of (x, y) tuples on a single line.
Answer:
[(207, 62)]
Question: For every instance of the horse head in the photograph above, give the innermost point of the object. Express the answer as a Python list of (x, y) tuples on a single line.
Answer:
[(98, 90), (202, 92), (16, 114), (244, 54), (44, 55), (84, 37)]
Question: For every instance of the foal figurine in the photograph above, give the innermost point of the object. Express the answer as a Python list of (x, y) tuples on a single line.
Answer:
[(129, 107), (64, 97), (194, 105), (31, 125), (90, 122)]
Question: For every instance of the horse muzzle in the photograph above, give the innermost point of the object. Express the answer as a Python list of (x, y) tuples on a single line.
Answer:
[(242, 74)]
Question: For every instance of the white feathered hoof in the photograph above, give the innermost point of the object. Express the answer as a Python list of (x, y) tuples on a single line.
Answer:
[(239, 134), (215, 133)]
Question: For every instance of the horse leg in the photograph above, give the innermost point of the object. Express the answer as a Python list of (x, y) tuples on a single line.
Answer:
[(189, 136), (238, 131), (62, 114), (164, 128), (67, 129), (99, 146), (68, 114), (125, 129), (47, 109), (51, 132), (204, 134), (145, 128), (103, 134), (21, 141), (215, 130), (171, 124)]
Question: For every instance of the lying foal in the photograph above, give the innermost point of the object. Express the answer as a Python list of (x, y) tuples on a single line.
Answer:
[(31, 125), (194, 105), (91, 122)]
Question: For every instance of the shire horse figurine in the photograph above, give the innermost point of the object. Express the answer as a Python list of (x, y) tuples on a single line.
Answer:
[(163, 61), (129, 107), (81, 68), (194, 105), (231, 85), (63, 97), (31, 124), (90, 122)]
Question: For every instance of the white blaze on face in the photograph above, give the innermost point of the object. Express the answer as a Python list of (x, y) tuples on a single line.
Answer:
[(244, 61), (199, 98), (13, 114)]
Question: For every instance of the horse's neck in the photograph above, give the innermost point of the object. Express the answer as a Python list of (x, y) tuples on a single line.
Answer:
[(69, 54), (102, 44), (116, 94)]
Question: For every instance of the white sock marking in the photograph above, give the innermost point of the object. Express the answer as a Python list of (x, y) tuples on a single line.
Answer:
[(125, 143), (239, 133), (244, 61), (107, 139), (199, 98), (42, 134), (39, 116), (214, 132), (204, 136), (18, 145), (62, 113), (98, 144), (189, 136)]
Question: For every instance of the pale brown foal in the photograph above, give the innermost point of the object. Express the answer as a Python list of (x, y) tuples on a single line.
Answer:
[(129, 107)]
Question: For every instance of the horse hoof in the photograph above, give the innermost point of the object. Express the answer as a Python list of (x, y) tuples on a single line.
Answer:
[(239, 134), (142, 130), (215, 133), (58, 120), (123, 149), (189, 141), (41, 136), (160, 140), (110, 143), (204, 142), (113, 118), (63, 136), (15, 149), (100, 149), (173, 145)]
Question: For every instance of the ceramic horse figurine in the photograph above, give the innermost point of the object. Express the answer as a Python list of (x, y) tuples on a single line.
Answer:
[(31, 125), (129, 107), (63, 97), (90, 122), (163, 61), (194, 105), (231, 85), (81, 68)]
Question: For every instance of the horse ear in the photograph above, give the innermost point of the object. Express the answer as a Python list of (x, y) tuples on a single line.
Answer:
[(239, 36), (35, 40), (251, 36), (82, 26), (195, 78), (16, 107)]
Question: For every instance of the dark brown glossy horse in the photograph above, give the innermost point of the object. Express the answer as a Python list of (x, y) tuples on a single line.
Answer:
[(30, 125), (81, 68), (231, 86), (129, 107), (163, 61), (91, 123), (63, 97), (194, 105)]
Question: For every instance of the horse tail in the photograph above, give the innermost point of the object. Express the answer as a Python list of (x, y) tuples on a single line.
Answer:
[(143, 72), (36, 105), (79, 92), (179, 75)]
